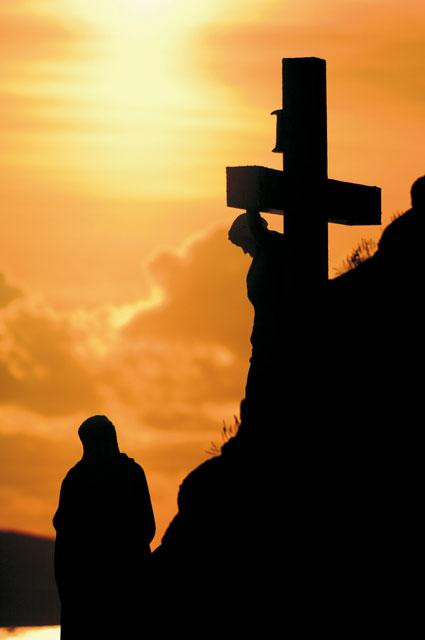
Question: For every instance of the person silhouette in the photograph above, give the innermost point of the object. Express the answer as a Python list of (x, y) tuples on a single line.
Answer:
[(104, 525), (265, 289), (400, 249)]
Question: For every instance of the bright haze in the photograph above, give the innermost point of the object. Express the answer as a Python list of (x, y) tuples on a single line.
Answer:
[(119, 293)]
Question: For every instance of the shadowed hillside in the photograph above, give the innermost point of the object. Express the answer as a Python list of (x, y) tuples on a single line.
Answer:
[(28, 595)]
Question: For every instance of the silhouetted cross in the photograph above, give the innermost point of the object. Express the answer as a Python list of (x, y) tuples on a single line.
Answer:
[(303, 191)]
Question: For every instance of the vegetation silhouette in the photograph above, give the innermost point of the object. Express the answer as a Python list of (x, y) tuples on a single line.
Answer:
[(365, 249)]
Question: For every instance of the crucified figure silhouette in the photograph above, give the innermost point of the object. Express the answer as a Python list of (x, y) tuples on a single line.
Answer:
[(265, 284)]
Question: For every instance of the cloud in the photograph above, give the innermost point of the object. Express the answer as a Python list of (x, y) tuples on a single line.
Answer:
[(38, 98), (185, 353), (190, 351), (244, 56), (204, 295), (30, 475), (29, 35), (170, 374), (166, 374), (27, 113), (7, 292), (99, 244), (40, 367)]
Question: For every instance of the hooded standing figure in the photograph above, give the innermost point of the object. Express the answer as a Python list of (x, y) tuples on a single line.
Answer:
[(104, 525)]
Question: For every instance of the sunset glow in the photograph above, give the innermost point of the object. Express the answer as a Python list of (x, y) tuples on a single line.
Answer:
[(119, 293), (40, 633)]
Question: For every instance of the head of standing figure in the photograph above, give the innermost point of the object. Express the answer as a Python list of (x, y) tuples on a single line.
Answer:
[(417, 193), (99, 439), (240, 235)]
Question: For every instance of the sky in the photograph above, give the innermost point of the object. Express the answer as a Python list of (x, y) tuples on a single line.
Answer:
[(119, 292)]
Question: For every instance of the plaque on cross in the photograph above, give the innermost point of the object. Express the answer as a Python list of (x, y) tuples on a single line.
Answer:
[(302, 192)]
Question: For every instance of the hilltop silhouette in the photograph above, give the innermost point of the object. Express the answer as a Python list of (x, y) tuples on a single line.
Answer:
[(309, 517)]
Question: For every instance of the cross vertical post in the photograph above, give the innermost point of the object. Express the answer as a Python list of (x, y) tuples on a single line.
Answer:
[(306, 167), (302, 192)]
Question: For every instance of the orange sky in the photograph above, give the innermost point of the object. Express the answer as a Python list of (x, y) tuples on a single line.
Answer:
[(119, 293)]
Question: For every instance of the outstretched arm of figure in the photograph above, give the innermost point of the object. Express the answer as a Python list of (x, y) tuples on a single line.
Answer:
[(258, 226)]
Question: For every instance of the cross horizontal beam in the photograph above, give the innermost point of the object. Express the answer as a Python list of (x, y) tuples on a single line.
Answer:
[(271, 191)]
